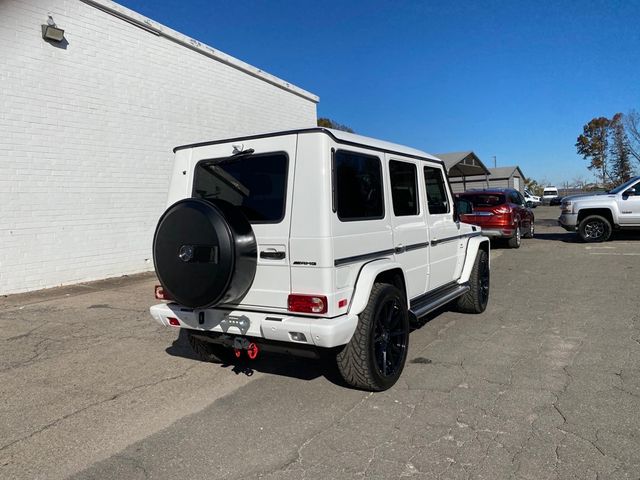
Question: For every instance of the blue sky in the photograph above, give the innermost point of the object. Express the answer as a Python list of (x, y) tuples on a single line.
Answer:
[(512, 79)]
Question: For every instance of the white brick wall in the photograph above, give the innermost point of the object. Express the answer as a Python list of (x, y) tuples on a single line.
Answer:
[(86, 135)]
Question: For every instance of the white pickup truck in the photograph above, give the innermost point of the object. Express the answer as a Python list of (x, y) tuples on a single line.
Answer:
[(594, 217)]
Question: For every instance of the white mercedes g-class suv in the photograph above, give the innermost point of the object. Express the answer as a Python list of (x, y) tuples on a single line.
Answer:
[(313, 241)]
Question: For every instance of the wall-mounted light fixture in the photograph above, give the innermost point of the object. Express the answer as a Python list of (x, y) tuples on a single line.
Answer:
[(51, 32)]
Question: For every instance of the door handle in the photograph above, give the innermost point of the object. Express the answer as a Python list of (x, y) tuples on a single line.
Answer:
[(272, 255)]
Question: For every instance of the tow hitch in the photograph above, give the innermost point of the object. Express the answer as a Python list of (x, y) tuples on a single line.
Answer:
[(241, 343)]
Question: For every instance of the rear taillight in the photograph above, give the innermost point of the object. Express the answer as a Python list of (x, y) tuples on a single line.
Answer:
[(502, 209), (307, 303), (161, 293)]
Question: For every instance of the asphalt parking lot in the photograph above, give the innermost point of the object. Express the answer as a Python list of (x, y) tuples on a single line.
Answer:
[(545, 384)]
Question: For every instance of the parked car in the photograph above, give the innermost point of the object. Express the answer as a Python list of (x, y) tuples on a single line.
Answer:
[(531, 200), (548, 194), (594, 217), (313, 241), (501, 213), (555, 201)]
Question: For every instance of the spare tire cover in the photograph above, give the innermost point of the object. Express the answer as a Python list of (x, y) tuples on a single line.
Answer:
[(205, 252)]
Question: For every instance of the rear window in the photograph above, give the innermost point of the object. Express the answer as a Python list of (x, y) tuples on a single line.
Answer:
[(256, 184), (485, 200)]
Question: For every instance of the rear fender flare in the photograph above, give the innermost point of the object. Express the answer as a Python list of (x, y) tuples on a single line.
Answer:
[(366, 279), (475, 244)]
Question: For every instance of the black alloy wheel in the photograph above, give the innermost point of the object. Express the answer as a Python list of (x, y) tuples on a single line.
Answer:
[(377, 352), (484, 280), (391, 338)]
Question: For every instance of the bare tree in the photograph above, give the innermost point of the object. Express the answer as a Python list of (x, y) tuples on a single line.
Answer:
[(632, 127), (620, 152), (579, 182)]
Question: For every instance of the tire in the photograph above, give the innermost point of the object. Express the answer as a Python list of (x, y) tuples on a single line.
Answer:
[(210, 352), (594, 228), (532, 229), (477, 298), (516, 240), (377, 352), (204, 252)]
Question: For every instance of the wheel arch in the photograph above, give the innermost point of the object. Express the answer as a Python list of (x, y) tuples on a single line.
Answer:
[(603, 212), (475, 244), (377, 271)]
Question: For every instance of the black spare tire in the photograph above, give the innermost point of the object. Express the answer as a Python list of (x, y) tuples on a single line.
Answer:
[(205, 252)]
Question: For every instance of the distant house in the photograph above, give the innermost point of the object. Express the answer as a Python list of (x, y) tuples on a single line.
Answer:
[(500, 177), (464, 165)]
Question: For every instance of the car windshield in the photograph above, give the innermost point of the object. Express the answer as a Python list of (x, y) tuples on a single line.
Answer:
[(485, 199), (624, 186)]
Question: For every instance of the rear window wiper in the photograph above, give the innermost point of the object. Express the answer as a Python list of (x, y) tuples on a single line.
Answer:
[(228, 179), (235, 157)]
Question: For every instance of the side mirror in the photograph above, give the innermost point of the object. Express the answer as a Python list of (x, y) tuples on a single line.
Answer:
[(630, 192), (462, 206)]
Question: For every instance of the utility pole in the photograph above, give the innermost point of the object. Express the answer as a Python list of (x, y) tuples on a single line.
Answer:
[(495, 164)]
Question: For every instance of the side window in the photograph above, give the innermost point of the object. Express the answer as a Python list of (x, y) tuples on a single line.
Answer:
[(358, 186), (404, 188), (436, 191)]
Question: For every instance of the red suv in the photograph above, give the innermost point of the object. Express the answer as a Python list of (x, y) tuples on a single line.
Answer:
[(500, 212)]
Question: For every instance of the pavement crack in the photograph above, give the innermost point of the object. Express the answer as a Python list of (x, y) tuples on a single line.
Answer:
[(298, 455), (92, 405)]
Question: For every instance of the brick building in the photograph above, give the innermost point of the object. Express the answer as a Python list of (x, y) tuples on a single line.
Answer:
[(87, 126)]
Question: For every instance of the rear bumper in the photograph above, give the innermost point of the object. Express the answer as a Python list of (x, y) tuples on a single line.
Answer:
[(499, 232), (568, 221), (319, 332)]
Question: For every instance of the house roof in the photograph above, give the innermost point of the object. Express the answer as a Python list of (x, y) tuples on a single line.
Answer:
[(463, 164), (506, 172)]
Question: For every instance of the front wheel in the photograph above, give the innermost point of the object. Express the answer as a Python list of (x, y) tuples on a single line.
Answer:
[(477, 298), (375, 356), (594, 228)]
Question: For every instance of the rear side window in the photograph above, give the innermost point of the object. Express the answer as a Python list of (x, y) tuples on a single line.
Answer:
[(358, 186), (436, 192), (404, 188), (256, 184)]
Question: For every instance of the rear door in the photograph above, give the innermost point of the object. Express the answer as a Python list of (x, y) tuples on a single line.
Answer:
[(260, 183), (445, 232), (408, 217)]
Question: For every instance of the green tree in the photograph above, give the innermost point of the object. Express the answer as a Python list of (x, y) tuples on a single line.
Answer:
[(328, 123), (593, 145), (620, 151)]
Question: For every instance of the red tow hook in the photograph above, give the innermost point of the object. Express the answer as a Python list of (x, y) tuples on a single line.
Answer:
[(252, 351), (237, 352)]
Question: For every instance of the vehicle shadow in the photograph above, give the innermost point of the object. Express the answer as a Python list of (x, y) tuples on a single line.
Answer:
[(300, 368), (571, 237), (291, 366)]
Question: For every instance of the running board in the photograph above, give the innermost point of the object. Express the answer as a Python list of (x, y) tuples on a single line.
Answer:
[(431, 301)]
